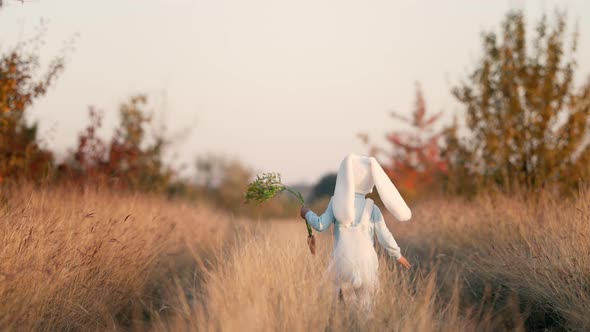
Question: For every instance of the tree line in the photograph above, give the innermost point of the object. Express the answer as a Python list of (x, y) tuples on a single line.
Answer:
[(523, 126)]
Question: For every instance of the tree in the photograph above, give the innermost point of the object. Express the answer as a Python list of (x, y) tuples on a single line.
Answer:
[(132, 158), (20, 153), (527, 125), (413, 162), (132, 155)]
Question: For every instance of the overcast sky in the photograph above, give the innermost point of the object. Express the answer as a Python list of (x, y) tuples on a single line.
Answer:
[(281, 85)]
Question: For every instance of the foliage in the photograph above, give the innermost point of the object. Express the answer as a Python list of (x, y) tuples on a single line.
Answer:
[(223, 181), (131, 158), (21, 156), (266, 187), (413, 161), (527, 126)]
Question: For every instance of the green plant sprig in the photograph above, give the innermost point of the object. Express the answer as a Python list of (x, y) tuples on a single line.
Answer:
[(266, 186)]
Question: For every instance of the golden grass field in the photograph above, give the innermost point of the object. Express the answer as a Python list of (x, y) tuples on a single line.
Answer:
[(93, 259)]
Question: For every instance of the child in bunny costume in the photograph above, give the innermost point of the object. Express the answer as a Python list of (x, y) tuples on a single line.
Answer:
[(356, 220)]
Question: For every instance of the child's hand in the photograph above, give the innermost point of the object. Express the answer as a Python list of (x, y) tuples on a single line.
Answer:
[(303, 212), (404, 262)]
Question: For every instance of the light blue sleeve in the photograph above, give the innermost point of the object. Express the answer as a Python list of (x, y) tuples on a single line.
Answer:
[(323, 222), (384, 235)]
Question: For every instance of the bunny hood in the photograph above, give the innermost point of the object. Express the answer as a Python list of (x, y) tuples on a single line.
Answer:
[(359, 174)]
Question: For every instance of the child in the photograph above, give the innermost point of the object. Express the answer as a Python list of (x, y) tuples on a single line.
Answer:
[(356, 221)]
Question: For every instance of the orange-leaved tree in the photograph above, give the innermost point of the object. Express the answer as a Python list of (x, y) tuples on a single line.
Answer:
[(21, 156), (413, 159)]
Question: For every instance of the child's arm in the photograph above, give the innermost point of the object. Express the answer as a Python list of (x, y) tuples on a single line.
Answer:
[(319, 223), (386, 238)]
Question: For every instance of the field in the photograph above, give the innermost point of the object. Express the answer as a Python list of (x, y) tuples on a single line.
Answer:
[(91, 259)]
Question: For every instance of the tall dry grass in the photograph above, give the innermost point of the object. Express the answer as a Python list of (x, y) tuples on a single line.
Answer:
[(531, 250), (74, 260), (270, 282)]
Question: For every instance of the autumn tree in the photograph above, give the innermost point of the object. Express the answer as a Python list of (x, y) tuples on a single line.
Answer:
[(526, 124), (21, 156), (132, 158), (413, 159)]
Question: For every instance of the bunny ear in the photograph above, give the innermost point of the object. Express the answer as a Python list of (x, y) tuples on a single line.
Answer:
[(343, 201), (391, 198)]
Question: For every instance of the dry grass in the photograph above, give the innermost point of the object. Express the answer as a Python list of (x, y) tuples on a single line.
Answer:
[(534, 252), (94, 260), (272, 283), (75, 261)]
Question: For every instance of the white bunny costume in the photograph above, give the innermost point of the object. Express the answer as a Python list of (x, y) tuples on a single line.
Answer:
[(356, 220)]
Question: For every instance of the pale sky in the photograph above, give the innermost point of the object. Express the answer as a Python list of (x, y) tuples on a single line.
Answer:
[(283, 86)]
